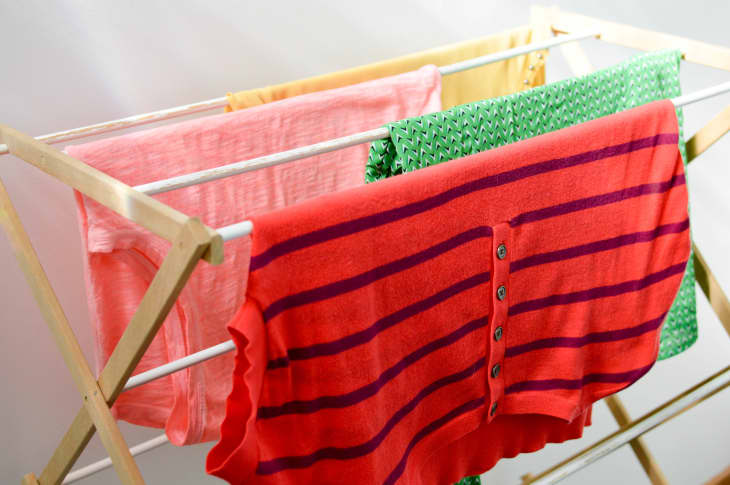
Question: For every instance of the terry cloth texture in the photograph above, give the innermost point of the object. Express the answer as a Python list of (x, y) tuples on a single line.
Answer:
[(386, 322), (472, 128), (509, 76), (121, 258)]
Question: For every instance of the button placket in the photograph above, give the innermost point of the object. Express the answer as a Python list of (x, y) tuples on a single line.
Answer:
[(535, 61), (500, 296)]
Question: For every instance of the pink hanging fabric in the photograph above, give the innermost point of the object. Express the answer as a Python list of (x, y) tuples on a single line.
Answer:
[(121, 258)]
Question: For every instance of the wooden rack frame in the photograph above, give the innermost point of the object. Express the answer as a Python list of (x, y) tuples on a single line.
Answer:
[(191, 241)]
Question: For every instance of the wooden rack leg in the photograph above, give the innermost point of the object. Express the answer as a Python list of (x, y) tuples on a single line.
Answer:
[(708, 134), (723, 478), (712, 290), (701, 141), (94, 403), (577, 59), (187, 249)]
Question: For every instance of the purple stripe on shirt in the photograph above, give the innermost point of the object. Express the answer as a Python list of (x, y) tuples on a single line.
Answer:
[(353, 397), (598, 246), (353, 283), (597, 200), (591, 338), (385, 217), (627, 377), (275, 465), (428, 429), (597, 292), (366, 335)]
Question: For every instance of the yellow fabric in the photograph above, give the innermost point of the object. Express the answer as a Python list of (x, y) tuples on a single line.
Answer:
[(488, 81)]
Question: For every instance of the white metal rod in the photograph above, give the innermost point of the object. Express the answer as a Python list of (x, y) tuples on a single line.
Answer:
[(514, 52), (128, 122), (234, 231), (644, 424), (236, 168), (166, 114), (701, 94), (100, 465), (244, 228), (179, 364), (143, 378)]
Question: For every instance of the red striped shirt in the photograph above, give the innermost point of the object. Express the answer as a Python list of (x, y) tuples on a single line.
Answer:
[(375, 333)]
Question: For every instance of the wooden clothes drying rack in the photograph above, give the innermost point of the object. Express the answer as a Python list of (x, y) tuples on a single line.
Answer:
[(192, 241)]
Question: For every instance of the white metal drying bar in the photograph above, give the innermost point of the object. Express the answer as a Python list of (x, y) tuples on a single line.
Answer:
[(236, 168), (244, 228), (138, 380), (105, 463), (128, 122), (188, 109), (258, 163), (338, 143), (647, 422), (179, 364)]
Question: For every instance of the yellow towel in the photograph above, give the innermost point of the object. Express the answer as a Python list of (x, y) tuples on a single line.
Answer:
[(488, 81)]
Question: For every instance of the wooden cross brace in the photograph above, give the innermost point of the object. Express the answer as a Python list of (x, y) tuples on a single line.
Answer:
[(192, 241)]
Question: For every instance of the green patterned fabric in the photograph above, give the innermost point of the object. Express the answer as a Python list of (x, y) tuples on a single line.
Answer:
[(471, 128), (470, 481)]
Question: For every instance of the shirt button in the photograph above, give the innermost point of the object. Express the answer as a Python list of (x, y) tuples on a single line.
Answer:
[(495, 370), (501, 292), (501, 251), (497, 334), (494, 408)]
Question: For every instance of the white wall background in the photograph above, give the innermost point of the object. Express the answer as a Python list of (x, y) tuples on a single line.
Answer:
[(71, 63)]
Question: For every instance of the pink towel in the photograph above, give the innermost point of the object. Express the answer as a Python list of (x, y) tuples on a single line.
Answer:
[(121, 258)]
